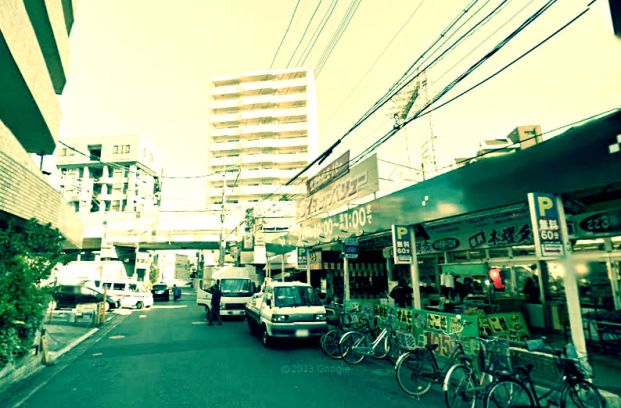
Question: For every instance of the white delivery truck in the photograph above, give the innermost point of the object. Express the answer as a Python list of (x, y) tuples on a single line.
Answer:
[(237, 284)]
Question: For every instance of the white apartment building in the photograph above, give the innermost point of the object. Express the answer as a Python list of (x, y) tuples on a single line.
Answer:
[(264, 131), (109, 174)]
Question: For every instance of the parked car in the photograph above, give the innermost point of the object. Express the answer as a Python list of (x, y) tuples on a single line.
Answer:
[(69, 296), (128, 294), (286, 309), (160, 291)]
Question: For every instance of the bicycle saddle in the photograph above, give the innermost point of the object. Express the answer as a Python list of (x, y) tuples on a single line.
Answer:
[(431, 347)]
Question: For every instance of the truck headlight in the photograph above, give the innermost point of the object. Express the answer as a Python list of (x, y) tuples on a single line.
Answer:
[(320, 316), (280, 318)]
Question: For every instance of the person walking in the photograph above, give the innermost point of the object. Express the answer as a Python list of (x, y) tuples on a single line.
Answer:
[(402, 294), (215, 304), (176, 293)]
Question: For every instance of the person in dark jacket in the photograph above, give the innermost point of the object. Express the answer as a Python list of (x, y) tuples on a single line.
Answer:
[(215, 304), (176, 292), (402, 294)]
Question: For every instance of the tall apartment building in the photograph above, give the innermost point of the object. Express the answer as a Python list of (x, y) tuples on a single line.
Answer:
[(34, 45), (264, 131), (109, 174)]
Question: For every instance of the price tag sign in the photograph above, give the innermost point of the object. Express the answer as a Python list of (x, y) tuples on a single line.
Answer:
[(402, 238), (545, 218)]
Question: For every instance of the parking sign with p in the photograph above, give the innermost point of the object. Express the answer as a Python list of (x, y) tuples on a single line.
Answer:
[(402, 243)]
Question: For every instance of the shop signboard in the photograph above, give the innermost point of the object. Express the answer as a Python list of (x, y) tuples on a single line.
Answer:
[(402, 239), (328, 174), (546, 222), (302, 258), (351, 248), (597, 224), (361, 180), (503, 227), (315, 261)]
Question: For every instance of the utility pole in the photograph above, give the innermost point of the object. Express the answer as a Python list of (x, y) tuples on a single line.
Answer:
[(222, 243), (223, 214)]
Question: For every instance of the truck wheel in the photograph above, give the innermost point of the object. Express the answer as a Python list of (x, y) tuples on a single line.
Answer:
[(139, 305), (207, 312), (250, 325), (266, 339)]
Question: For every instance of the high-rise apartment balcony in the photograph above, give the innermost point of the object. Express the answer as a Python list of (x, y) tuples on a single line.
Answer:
[(274, 158), (229, 91), (248, 102), (247, 175), (269, 142), (260, 190), (224, 146), (223, 161), (28, 104), (273, 128), (225, 132), (271, 113), (271, 86)]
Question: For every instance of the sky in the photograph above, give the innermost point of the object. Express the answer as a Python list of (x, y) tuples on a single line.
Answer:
[(144, 67)]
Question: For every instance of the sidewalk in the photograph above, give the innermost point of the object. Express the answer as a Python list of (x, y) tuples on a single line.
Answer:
[(64, 332)]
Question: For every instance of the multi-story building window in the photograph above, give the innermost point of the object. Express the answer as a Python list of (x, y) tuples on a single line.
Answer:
[(109, 174), (263, 131)]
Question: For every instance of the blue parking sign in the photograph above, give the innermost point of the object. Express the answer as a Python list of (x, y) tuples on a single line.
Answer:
[(402, 244)]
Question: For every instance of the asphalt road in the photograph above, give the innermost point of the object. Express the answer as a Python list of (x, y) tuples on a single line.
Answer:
[(168, 357)]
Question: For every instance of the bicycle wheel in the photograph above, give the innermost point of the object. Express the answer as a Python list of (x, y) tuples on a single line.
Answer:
[(415, 373), (581, 394), (459, 387), (507, 393), (383, 348), (330, 343), (353, 346), (394, 350)]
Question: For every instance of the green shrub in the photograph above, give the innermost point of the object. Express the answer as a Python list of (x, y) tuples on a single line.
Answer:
[(28, 253)]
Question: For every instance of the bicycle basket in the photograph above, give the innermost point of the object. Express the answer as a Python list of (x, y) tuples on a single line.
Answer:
[(406, 340), (495, 357)]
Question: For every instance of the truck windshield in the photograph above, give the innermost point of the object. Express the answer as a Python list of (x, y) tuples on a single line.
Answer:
[(296, 296), (236, 287)]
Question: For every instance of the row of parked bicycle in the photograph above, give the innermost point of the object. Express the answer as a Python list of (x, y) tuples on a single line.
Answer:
[(492, 377)]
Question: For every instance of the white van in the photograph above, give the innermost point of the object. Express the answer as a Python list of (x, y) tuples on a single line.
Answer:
[(286, 309), (128, 294)]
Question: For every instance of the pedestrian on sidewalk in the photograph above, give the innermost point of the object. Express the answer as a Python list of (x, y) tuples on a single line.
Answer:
[(176, 292), (215, 304)]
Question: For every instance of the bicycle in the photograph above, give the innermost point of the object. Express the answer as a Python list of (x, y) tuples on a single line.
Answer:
[(418, 368), (355, 345), (519, 391), (330, 340), (464, 384)]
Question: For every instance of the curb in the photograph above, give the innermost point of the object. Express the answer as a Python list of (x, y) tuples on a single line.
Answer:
[(56, 355)]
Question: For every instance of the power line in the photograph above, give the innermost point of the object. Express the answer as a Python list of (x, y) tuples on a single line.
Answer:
[(486, 38), (316, 34), (377, 60), (304, 33), (285, 34), (336, 37), (421, 112)]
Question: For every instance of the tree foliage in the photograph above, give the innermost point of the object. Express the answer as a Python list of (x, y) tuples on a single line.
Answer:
[(28, 254)]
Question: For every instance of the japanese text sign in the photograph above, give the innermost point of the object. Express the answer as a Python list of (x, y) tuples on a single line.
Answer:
[(302, 258), (546, 221), (402, 239)]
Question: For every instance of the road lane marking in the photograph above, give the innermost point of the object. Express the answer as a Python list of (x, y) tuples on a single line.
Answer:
[(199, 322), (97, 354), (117, 337), (142, 316), (169, 307)]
